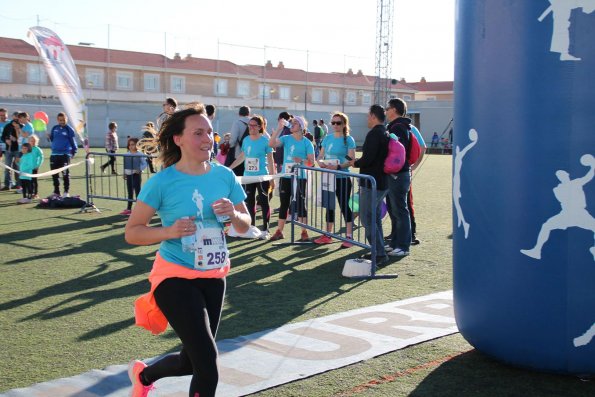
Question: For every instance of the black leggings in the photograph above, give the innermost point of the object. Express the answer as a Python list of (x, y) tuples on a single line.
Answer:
[(263, 200), (193, 309), (343, 192), (111, 161), (285, 197), (133, 186)]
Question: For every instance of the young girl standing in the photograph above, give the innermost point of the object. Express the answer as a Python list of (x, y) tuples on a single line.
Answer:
[(38, 154), (134, 164), (26, 165)]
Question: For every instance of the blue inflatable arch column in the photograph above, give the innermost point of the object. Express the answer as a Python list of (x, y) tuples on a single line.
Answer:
[(523, 181)]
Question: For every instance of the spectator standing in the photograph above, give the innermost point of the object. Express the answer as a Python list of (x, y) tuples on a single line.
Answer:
[(237, 132), (134, 164), (399, 183), (187, 288), (3, 122), (38, 155), (298, 150), (336, 152), (27, 163), (257, 157), (111, 146), (435, 140), (374, 152), (278, 155), (62, 150), (10, 137), (169, 107), (148, 132)]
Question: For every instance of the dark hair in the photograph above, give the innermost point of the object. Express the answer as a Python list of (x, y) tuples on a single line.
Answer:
[(112, 125), (284, 115), (322, 121), (23, 114), (315, 122), (135, 140), (3, 110), (61, 114), (210, 110), (27, 145), (244, 111), (170, 153), (172, 102), (260, 122), (399, 105), (378, 112)]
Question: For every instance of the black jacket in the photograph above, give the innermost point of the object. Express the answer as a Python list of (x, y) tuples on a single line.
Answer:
[(9, 131), (374, 153)]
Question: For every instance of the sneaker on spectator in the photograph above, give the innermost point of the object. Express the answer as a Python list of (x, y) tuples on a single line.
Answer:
[(304, 237), (36, 196), (126, 212), (415, 241), (277, 236), (388, 248), (23, 200), (265, 235), (19, 190), (66, 194), (398, 252), (135, 367), (346, 244), (323, 240)]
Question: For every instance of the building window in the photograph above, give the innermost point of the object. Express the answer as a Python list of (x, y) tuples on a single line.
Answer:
[(36, 74), (94, 78), (178, 84), (151, 82), (124, 81), (333, 97), (366, 98), (243, 88), (316, 95), (431, 98), (220, 87), (264, 91), (351, 97), (284, 92), (5, 71), (406, 97)]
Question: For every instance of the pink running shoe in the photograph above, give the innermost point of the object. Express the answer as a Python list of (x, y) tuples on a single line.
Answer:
[(323, 240), (135, 367), (126, 212)]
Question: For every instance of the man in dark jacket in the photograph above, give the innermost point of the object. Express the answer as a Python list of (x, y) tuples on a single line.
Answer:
[(371, 163), (64, 147), (398, 184), (10, 137)]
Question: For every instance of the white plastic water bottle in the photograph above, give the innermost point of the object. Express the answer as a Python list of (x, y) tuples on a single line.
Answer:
[(188, 241)]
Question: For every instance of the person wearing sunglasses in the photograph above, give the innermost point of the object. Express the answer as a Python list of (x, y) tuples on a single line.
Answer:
[(335, 148), (257, 157)]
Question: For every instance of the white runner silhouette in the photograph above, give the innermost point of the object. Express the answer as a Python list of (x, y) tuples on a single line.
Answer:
[(456, 181), (561, 11), (574, 212), (585, 338)]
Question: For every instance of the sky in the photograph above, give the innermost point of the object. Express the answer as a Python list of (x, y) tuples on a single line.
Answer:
[(314, 35)]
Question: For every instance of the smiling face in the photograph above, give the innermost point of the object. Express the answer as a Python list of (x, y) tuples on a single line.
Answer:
[(196, 140)]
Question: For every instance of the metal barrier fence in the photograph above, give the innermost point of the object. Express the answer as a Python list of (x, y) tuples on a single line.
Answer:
[(332, 198), (101, 183), (329, 199)]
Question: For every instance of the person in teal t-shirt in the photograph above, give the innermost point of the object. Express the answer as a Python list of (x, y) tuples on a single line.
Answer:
[(26, 162), (296, 150), (338, 149), (257, 157), (38, 154), (190, 195)]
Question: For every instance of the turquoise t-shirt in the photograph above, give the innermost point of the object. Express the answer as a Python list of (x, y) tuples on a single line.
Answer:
[(336, 149), (38, 154), (256, 155), (27, 164), (293, 148), (174, 195)]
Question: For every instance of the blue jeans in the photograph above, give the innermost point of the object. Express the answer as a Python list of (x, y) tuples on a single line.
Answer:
[(365, 208), (9, 160), (398, 188)]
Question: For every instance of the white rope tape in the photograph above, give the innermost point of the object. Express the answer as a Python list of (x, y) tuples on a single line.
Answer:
[(245, 180), (48, 173)]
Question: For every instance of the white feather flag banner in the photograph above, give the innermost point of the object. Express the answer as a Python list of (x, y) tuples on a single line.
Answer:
[(62, 71)]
